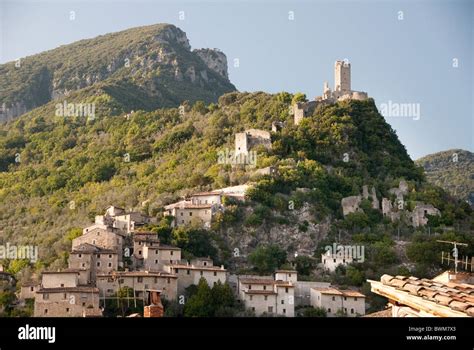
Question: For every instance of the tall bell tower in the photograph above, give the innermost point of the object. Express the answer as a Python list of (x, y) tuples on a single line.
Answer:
[(342, 76)]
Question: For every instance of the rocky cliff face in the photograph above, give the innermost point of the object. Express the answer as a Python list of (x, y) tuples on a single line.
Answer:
[(157, 59), (215, 59)]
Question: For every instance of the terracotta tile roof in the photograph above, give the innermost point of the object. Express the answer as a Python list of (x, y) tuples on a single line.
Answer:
[(79, 289), (188, 205), (259, 292), (456, 296), (257, 281), (341, 292), (383, 313), (328, 290), (87, 248), (285, 271), (191, 267), (284, 284), (136, 274), (352, 293), (211, 193)]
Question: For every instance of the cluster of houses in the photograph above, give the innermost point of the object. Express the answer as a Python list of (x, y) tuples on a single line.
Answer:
[(200, 208), (280, 293), (112, 254)]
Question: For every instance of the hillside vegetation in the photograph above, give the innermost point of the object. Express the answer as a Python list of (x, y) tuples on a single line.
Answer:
[(59, 172), (452, 170), (141, 68)]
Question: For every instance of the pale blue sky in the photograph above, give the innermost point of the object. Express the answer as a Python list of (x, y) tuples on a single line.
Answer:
[(405, 61)]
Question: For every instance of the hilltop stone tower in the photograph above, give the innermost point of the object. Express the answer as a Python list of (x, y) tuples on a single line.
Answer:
[(342, 76), (342, 91)]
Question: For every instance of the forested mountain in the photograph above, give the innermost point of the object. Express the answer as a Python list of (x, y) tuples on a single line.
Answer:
[(139, 68), (58, 173), (59, 170), (452, 170)]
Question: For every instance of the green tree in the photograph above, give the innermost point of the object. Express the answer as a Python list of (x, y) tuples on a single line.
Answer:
[(223, 300), (305, 265), (355, 276), (267, 259), (200, 304), (298, 97), (313, 312)]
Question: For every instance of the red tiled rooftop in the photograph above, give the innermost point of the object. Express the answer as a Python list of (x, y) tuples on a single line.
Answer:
[(456, 296)]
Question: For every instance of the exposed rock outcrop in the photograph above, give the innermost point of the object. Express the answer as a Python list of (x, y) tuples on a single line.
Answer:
[(215, 59)]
